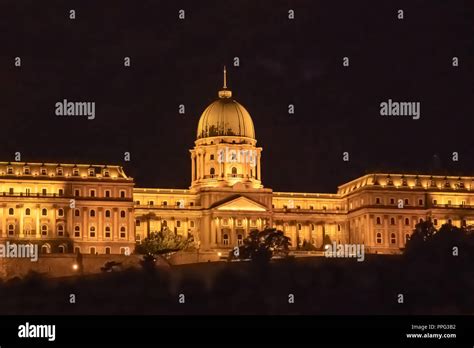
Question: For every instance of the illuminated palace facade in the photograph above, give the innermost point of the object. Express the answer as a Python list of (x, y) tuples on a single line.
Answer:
[(96, 209)]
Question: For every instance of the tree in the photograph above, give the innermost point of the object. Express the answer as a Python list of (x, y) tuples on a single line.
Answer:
[(261, 246), (164, 242)]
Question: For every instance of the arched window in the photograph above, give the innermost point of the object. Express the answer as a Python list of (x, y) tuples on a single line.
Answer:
[(107, 231), (212, 171), (234, 171), (407, 221), (122, 232), (61, 249), (379, 238), (60, 212), (225, 239), (92, 231), (60, 230), (44, 230), (299, 227), (11, 230), (45, 249), (92, 213), (77, 231), (122, 213), (77, 212), (392, 221), (378, 221), (44, 211), (27, 211), (107, 250), (107, 213), (11, 211), (393, 238)]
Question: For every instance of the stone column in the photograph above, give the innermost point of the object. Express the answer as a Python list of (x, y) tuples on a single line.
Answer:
[(115, 227), (4, 221), (193, 167), (21, 221), (131, 226), (38, 212), (85, 227), (100, 226), (258, 167)]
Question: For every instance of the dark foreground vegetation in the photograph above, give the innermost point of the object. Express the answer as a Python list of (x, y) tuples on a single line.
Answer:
[(435, 276)]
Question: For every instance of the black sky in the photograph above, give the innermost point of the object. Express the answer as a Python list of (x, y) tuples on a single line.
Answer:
[(282, 62)]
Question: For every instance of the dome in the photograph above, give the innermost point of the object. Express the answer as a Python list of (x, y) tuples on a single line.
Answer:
[(225, 117)]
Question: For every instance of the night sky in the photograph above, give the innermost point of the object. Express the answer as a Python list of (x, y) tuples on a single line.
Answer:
[(282, 61)]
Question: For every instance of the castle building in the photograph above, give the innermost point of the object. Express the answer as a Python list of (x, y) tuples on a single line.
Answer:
[(96, 209)]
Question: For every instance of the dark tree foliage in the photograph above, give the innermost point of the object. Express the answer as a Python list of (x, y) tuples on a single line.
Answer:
[(261, 246)]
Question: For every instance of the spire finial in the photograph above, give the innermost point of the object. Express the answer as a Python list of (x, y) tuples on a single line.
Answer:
[(225, 93), (225, 78)]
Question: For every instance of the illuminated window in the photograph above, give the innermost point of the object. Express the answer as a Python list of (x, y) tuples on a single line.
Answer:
[(393, 238), (379, 238)]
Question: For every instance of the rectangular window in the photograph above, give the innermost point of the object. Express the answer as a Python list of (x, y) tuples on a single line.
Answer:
[(61, 192), (77, 193), (92, 193)]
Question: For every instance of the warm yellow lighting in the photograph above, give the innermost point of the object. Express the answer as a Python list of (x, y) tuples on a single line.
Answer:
[(75, 267), (219, 254)]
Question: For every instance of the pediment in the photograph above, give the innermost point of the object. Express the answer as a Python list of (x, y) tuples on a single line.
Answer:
[(241, 204)]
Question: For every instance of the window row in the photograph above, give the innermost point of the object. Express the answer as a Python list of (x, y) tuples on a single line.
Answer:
[(178, 204), (107, 213), (91, 172), (393, 238), (107, 232), (107, 193), (394, 201)]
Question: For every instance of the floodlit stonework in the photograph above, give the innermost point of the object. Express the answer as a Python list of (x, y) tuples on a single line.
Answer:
[(96, 209)]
